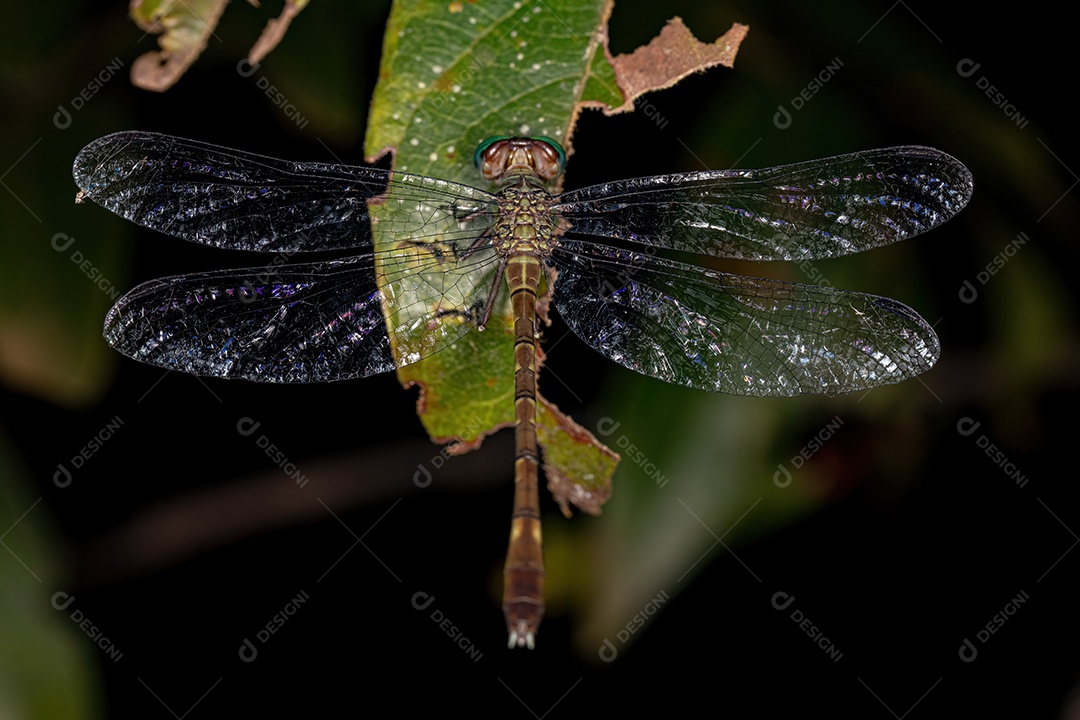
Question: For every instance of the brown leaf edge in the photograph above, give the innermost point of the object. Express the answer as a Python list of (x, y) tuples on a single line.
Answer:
[(668, 58)]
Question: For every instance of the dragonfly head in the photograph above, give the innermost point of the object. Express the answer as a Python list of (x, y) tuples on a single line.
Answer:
[(500, 156)]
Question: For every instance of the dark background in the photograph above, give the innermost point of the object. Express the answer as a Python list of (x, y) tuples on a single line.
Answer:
[(901, 538)]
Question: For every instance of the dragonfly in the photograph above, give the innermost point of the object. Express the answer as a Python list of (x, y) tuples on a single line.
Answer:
[(604, 253)]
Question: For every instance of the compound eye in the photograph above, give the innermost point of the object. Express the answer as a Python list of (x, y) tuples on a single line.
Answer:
[(558, 155), (484, 146)]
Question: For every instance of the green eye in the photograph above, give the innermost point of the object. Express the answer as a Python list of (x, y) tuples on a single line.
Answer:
[(484, 145), (488, 142)]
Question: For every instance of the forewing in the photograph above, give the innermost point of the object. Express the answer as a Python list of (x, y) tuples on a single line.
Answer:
[(729, 333), (302, 323), (232, 199), (817, 209)]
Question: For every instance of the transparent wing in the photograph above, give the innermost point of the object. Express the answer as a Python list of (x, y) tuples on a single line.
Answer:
[(232, 199), (308, 322), (739, 335), (817, 209), (302, 323)]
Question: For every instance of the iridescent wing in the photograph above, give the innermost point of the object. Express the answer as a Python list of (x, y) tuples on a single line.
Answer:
[(232, 199), (710, 330), (810, 210), (307, 322), (748, 336)]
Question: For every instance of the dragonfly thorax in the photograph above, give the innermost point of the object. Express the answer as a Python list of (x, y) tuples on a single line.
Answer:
[(526, 223), (522, 167)]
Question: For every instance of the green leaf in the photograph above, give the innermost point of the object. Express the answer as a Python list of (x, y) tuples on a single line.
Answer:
[(578, 467), (454, 74)]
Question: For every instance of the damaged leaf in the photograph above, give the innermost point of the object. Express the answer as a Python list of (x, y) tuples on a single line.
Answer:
[(274, 31), (578, 467), (507, 68), (500, 69), (184, 29), (671, 56)]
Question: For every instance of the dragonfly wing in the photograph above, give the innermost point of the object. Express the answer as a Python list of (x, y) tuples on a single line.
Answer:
[(729, 333), (302, 323), (232, 199), (817, 209)]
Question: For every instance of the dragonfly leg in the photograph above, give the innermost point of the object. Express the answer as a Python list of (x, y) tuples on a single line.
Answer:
[(485, 314)]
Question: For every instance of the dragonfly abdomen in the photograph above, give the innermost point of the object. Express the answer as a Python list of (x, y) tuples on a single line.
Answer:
[(524, 235), (523, 576)]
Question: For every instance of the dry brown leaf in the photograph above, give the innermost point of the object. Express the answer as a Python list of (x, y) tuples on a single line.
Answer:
[(668, 58), (274, 31), (184, 32), (185, 29)]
